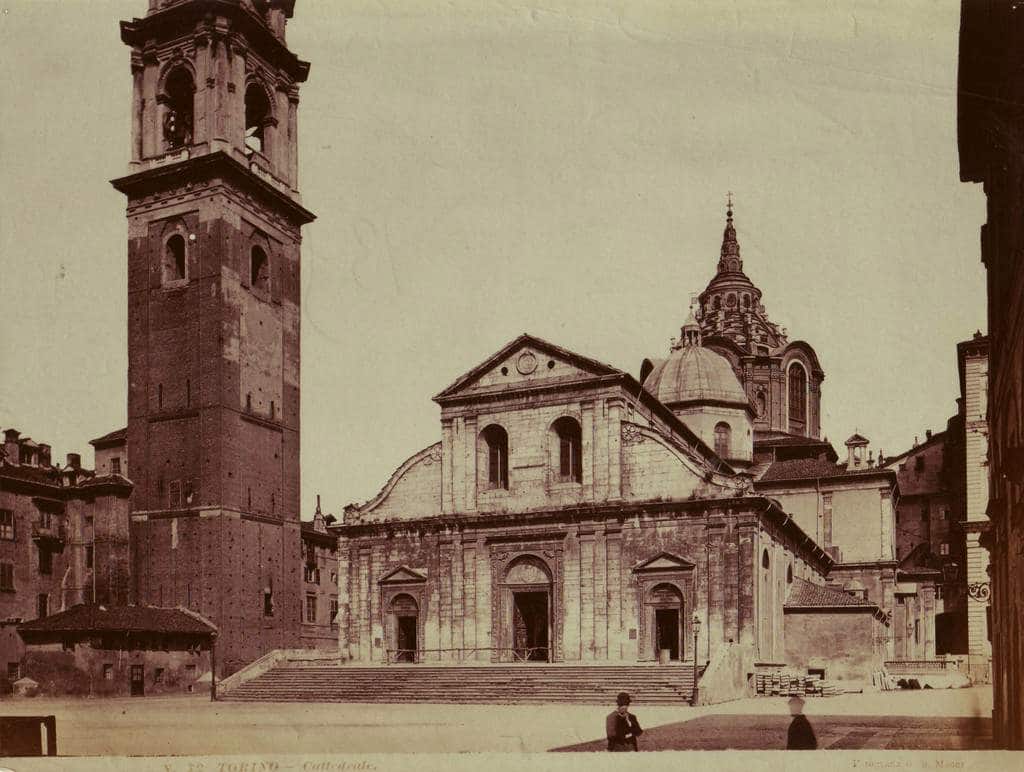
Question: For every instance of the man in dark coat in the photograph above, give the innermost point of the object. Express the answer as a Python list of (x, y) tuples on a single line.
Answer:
[(801, 735), (622, 727)]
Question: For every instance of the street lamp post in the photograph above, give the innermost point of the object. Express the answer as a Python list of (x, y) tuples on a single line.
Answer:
[(696, 632)]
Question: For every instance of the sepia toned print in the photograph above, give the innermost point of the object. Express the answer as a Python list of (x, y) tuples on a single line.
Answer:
[(723, 248)]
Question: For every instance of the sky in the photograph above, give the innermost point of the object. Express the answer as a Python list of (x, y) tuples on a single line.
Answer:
[(483, 169)]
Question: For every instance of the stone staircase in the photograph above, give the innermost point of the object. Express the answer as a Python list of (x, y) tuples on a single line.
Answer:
[(495, 684)]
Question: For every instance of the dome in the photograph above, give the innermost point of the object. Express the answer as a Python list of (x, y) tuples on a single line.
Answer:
[(695, 374)]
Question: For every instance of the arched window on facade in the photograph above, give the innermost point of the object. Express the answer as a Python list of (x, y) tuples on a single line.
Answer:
[(174, 266), (765, 562), (257, 115), (716, 304), (797, 378), (259, 269), (789, 574), (570, 446), (496, 439), (723, 439), (179, 98)]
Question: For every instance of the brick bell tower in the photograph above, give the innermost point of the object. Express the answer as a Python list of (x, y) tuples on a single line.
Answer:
[(214, 220)]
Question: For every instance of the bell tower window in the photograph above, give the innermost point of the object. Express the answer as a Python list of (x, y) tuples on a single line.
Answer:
[(257, 115), (179, 95), (174, 259), (259, 269)]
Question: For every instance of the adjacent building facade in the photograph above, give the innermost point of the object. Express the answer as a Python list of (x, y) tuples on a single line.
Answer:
[(990, 88), (63, 539)]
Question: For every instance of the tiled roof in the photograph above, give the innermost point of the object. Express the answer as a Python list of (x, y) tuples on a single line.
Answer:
[(809, 468), (114, 437), (90, 618), (804, 594), (37, 474)]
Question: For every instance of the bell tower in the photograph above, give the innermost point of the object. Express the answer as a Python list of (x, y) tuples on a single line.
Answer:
[(214, 218)]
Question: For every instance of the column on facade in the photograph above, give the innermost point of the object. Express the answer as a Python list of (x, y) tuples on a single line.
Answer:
[(571, 618), (469, 602), (432, 621), (600, 596), (588, 447), (444, 601), (279, 129), (614, 449), (717, 589), (745, 557), (586, 592), (235, 112), (447, 434), (469, 463), (458, 587), (484, 623), (151, 139), (928, 602), (365, 652), (138, 101), (616, 638), (344, 601), (378, 639)]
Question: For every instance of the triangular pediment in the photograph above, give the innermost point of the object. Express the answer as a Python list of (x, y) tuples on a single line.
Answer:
[(403, 575), (664, 561), (525, 362)]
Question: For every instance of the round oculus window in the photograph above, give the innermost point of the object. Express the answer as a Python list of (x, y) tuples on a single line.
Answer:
[(526, 363)]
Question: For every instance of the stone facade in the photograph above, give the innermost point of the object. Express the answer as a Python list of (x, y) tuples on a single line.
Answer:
[(483, 550), (213, 319), (990, 88)]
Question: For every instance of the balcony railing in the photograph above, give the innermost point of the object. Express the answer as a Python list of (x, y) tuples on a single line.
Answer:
[(529, 654), (56, 532)]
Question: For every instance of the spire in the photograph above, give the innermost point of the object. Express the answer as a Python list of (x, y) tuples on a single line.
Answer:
[(730, 259)]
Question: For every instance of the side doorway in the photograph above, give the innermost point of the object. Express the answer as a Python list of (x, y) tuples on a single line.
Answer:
[(138, 682)]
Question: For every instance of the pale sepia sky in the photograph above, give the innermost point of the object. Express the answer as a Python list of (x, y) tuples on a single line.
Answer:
[(481, 169)]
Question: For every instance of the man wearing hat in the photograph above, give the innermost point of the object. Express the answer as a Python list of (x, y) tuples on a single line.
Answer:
[(622, 726)]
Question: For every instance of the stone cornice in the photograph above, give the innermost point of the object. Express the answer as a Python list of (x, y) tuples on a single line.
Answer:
[(184, 17), (205, 168)]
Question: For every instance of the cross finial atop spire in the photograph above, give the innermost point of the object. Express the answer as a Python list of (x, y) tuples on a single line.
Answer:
[(728, 201)]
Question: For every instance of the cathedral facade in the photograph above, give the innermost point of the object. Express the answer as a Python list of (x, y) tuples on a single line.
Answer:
[(571, 512)]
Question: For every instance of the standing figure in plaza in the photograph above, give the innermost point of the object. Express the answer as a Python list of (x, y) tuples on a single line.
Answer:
[(622, 726), (801, 735)]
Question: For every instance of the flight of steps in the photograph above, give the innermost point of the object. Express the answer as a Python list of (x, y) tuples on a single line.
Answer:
[(494, 684)]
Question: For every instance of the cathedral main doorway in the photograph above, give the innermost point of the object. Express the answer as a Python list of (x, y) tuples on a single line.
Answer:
[(527, 611), (530, 626)]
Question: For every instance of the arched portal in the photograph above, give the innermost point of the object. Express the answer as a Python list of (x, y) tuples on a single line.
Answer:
[(403, 618), (527, 603), (665, 610)]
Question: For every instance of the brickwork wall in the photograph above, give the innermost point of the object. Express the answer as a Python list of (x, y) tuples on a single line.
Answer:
[(207, 356)]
